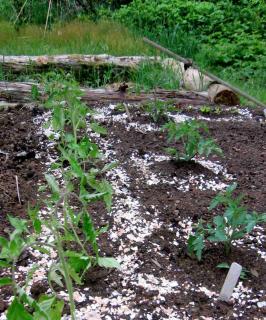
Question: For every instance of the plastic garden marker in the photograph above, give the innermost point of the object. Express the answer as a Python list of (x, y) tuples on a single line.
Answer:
[(230, 281)]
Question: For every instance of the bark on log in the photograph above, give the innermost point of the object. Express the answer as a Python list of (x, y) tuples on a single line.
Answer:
[(19, 64), (17, 92)]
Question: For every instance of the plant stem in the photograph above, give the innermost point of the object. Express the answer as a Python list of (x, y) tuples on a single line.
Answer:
[(68, 280)]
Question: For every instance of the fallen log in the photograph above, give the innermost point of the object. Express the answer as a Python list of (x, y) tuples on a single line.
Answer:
[(221, 94), (78, 62), (18, 92), (193, 79)]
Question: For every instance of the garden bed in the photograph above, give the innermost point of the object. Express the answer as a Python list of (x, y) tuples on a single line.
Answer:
[(155, 203)]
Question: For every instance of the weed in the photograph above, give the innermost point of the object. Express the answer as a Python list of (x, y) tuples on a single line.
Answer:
[(193, 141), (234, 224)]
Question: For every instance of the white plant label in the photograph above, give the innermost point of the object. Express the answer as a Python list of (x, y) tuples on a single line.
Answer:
[(230, 281)]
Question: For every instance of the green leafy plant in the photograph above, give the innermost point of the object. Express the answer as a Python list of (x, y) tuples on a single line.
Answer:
[(234, 224), (20, 240), (205, 109), (74, 236), (194, 142), (158, 109)]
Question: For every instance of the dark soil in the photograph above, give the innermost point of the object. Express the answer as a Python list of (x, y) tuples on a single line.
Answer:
[(244, 148), (18, 147)]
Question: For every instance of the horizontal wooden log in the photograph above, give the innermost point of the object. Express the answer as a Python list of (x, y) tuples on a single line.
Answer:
[(18, 64), (17, 92)]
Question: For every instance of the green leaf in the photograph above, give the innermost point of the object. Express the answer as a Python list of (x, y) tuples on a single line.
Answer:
[(108, 262), (219, 236), (76, 168), (105, 187), (58, 119), (223, 265), (98, 129), (77, 261), (74, 275), (218, 220), (57, 310), (19, 224), (54, 276), (35, 94), (6, 281), (52, 183), (109, 166), (4, 264), (3, 242), (16, 311), (198, 244)]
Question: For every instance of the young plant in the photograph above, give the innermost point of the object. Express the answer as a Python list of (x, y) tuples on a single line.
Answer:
[(194, 142), (20, 240), (74, 238), (234, 224), (205, 109), (158, 110)]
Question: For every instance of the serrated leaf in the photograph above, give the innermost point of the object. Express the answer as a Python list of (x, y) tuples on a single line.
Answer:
[(4, 264), (76, 168), (5, 281), (55, 276), (108, 262), (52, 183), (16, 311), (3, 242), (19, 224), (109, 166), (218, 220), (98, 129)]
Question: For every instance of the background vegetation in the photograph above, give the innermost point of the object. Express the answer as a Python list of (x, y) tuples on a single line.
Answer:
[(226, 37)]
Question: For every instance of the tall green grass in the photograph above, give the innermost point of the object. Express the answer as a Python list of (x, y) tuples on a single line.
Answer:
[(80, 37)]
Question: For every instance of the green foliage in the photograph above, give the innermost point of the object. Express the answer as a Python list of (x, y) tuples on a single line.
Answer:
[(234, 224), (189, 132), (226, 37), (75, 238), (158, 109), (234, 30), (149, 76), (205, 109)]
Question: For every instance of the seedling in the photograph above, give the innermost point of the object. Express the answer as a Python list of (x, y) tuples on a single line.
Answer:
[(234, 224), (158, 110), (205, 109), (194, 143)]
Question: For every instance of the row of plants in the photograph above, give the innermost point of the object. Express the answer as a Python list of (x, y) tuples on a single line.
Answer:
[(74, 237), (236, 221), (68, 221)]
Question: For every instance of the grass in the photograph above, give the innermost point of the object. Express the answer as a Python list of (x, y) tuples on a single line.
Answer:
[(80, 37), (188, 46), (86, 37)]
